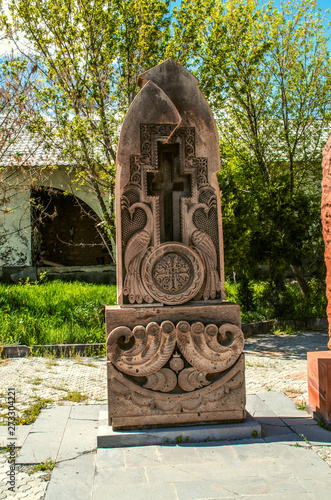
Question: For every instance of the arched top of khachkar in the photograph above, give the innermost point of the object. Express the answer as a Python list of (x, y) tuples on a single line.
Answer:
[(168, 214)]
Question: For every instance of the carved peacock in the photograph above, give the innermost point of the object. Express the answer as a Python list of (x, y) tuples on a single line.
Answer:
[(204, 245), (134, 252)]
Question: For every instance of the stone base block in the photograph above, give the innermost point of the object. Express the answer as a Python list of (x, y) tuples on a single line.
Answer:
[(319, 384), (171, 366), (108, 438)]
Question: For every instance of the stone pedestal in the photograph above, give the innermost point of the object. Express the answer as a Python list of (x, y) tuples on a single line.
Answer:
[(319, 385), (175, 365)]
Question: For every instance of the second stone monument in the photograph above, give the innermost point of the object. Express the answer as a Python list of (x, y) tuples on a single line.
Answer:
[(174, 346)]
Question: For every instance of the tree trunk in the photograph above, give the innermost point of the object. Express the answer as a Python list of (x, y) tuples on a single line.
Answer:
[(301, 280)]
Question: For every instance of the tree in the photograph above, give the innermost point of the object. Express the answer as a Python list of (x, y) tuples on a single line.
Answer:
[(17, 112), (88, 54), (266, 74)]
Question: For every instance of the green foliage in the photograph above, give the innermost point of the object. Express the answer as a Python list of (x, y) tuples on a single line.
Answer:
[(284, 330), (302, 406), (29, 416), (48, 465), (75, 397), (322, 424), (265, 72), (266, 301), (53, 312), (86, 57)]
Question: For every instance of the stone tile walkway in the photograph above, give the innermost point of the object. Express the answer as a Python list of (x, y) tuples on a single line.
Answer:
[(273, 363)]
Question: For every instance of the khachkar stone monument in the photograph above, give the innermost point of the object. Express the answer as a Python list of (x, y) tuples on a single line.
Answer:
[(174, 347), (319, 363)]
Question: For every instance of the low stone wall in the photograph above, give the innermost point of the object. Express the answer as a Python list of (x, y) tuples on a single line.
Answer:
[(89, 274), (58, 350), (250, 329)]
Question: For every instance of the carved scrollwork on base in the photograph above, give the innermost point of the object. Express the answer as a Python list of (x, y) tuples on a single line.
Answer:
[(210, 397), (152, 347), (174, 369)]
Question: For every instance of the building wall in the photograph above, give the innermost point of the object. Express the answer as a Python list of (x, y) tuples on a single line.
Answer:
[(15, 231), (15, 224)]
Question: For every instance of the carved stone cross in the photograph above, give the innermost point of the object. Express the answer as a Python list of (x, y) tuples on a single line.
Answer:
[(170, 186), (174, 347)]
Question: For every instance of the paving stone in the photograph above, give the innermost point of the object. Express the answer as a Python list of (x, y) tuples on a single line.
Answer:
[(80, 436), (304, 463), (257, 408), (119, 477), (45, 438), (128, 491), (247, 452), (275, 430), (223, 487), (213, 470), (21, 433), (141, 456), (299, 421), (281, 405), (289, 496), (319, 489), (86, 412), (205, 490), (173, 473), (110, 458), (290, 438), (72, 479), (178, 454), (217, 453), (314, 434)]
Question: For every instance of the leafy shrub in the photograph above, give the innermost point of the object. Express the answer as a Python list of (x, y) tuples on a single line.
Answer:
[(261, 301)]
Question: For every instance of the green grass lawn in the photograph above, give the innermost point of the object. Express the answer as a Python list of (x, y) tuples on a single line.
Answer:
[(57, 312), (53, 312)]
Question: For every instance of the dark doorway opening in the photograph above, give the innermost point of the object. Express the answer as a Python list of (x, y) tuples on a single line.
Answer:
[(64, 231)]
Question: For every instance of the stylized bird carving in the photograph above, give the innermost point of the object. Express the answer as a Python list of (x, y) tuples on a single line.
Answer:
[(134, 252), (205, 247), (203, 243)]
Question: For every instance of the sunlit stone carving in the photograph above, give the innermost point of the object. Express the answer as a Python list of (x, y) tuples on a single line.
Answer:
[(174, 346)]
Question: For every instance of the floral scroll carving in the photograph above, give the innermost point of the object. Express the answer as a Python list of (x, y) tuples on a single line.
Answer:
[(153, 346), (202, 357)]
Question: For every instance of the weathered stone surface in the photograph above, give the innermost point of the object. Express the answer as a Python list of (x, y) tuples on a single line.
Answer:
[(174, 350), (168, 214), (166, 368), (326, 222), (319, 383)]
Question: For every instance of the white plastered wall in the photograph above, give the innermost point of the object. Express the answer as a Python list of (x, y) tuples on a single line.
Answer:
[(15, 222)]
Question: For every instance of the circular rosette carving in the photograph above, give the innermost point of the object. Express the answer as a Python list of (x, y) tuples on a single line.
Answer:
[(173, 273), (210, 349), (143, 350)]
